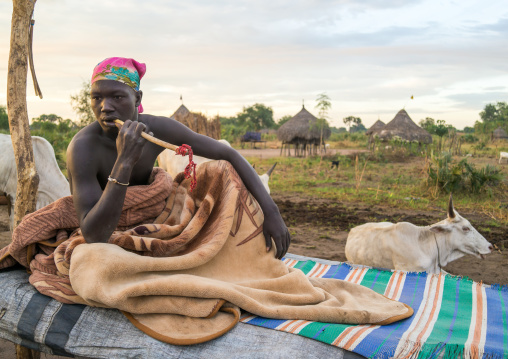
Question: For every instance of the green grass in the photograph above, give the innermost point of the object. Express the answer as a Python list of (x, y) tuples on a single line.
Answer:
[(401, 185)]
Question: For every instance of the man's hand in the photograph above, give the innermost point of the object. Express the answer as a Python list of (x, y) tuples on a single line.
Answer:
[(129, 142), (274, 227)]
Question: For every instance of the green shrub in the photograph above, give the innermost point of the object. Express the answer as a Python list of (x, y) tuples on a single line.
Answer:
[(470, 138), (481, 145), (58, 135), (461, 176), (4, 120)]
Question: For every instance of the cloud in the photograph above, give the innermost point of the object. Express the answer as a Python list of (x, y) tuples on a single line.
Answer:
[(368, 56), (478, 100)]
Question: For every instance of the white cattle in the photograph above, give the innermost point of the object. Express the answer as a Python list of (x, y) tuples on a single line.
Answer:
[(404, 246), (52, 183), (175, 164), (503, 155)]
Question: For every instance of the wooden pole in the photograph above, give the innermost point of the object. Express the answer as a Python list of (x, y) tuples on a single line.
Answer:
[(28, 179)]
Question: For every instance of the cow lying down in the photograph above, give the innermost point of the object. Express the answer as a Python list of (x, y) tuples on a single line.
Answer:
[(404, 246)]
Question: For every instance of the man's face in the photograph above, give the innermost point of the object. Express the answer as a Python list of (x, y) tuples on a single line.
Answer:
[(111, 100)]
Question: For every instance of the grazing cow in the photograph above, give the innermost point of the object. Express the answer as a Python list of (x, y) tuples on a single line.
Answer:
[(503, 155), (175, 164), (52, 183), (335, 164), (404, 246)]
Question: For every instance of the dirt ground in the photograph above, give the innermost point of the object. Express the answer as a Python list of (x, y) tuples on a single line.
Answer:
[(271, 152), (319, 228)]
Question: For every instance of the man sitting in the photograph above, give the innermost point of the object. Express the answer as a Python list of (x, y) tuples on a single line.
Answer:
[(102, 161)]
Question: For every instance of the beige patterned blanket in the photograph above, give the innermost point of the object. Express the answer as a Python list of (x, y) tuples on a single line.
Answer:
[(182, 264)]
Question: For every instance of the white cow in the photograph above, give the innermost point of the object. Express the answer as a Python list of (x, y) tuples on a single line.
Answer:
[(52, 183), (404, 246), (503, 155), (175, 164)]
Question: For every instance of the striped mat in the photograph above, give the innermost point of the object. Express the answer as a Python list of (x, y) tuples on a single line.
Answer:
[(454, 316)]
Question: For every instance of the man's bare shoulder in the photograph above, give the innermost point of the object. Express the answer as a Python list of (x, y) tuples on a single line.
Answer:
[(83, 143)]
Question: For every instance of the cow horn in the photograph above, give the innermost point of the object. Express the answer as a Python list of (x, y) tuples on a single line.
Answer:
[(269, 173), (451, 212)]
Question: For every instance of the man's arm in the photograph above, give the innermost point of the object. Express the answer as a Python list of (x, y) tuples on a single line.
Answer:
[(99, 211), (274, 227)]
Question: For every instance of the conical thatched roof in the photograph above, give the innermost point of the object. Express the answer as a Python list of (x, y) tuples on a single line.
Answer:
[(181, 111), (499, 133), (303, 126), (375, 128), (403, 127)]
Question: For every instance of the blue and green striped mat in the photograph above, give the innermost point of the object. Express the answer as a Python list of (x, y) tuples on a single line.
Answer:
[(454, 316)]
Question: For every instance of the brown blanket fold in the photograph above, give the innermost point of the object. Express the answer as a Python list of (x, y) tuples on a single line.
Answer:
[(183, 276)]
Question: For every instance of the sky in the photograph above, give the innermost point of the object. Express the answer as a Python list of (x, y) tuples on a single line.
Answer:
[(368, 56)]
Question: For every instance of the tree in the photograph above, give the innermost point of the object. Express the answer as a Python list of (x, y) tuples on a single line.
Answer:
[(351, 120), (81, 105), (358, 128), (428, 124), (256, 117), (323, 105), (495, 113), (492, 116), (48, 118), (338, 130), (441, 129), (229, 128), (468, 129), (4, 119)]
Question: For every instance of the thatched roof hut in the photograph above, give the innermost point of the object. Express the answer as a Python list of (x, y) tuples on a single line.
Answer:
[(375, 128), (302, 128), (403, 127), (500, 134), (198, 122), (182, 111)]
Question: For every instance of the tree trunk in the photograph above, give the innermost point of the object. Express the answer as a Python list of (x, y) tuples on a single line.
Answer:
[(28, 179)]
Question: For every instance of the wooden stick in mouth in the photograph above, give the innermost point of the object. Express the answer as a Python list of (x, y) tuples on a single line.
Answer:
[(152, 139)]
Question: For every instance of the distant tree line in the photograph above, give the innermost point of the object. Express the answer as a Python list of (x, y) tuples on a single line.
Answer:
[(492, 117)]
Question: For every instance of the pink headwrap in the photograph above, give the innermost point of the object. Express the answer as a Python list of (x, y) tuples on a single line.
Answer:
[(127, 71)]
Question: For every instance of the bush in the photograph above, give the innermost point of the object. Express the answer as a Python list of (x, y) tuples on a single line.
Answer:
[(58, 135), (470, 138), (461, 176), (481, 145), (4, 120), (353, 137)]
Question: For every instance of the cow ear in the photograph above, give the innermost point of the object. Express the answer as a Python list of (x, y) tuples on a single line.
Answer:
[(439, 229)]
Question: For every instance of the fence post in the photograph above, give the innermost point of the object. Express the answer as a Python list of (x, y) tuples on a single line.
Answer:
[(28, 179)]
